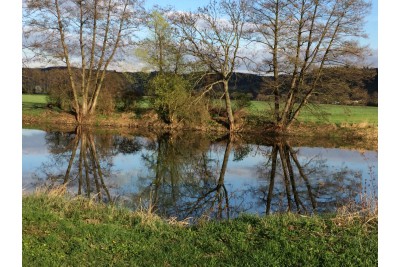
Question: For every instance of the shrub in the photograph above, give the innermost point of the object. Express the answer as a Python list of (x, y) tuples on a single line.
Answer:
[(173, 101), (60, 96)]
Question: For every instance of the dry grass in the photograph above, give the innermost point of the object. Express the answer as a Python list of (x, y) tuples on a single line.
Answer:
[(56, 191), (70, 203), (363, 125), (174, 221), (364, 211)]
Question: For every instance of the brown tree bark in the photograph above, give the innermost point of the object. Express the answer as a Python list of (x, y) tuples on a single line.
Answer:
[(228, 107)]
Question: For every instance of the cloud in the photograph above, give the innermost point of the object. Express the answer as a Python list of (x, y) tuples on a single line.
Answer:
[(133, 65), (33, 142), (372, 59)]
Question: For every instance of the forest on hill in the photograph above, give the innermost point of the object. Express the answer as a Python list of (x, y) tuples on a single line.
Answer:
[(340, 85)]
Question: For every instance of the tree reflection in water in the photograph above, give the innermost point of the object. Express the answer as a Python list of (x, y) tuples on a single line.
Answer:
[(181, 180), (189, 181), (295, 191), (284, 154), (188, 175), (81, 162)]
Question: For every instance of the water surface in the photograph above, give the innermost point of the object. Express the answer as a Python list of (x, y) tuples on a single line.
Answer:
[(192, 175)]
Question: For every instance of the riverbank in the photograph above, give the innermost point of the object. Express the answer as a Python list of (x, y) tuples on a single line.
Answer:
[(360, 134), (60, 230)]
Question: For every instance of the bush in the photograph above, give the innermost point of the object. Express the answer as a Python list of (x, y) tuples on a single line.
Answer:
[(197, 112), (173, 101), (60, 96)]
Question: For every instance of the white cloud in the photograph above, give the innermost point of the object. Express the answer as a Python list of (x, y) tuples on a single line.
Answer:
[(372, 60)]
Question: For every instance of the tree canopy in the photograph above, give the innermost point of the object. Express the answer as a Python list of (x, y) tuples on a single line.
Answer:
[(296, 39)]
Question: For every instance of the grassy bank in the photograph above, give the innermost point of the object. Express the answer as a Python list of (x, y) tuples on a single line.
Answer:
[(64, 231), (344, 122), (336, 114)]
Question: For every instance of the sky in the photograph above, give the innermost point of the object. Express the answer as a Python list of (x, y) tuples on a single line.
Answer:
[(131, 63), (371, 26), (371, 29), (183, 5)]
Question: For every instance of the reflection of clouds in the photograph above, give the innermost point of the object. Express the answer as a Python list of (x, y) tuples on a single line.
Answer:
[(30, 161), (331, 173), (336, 156), (239, 171), (27, 176), (33, 142), (34, 150), (126, 178), (246, 172), (129, 161), (30, 132)]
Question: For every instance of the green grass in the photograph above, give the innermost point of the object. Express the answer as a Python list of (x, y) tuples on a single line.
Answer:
[(33, 104), (343, 114), (60, 231), (35, 99), (325, 113)]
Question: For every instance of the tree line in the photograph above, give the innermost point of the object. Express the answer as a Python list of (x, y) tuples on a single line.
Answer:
[(342, 85), (196, 54)]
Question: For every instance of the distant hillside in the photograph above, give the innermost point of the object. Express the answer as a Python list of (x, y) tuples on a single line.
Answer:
[(338, 85)]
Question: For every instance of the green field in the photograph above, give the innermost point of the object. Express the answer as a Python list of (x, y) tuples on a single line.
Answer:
[(60, 231), (34, 104), (336, 114), (35, 99), (326, 113)]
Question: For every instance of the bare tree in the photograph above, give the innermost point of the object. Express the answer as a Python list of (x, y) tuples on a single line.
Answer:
[(270, 26), (213, 35), (304, 37), (163, 48), (84, 36)]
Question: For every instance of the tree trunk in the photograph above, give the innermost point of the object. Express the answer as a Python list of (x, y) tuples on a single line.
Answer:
[(274, 157), (83, 114), (228, 107), (221, 182)]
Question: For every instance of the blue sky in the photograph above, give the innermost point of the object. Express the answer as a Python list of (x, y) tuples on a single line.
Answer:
[(371, 29), (371, 26), (190, 5)]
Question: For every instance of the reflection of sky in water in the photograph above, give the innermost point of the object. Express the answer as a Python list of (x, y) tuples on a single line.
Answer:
[(339, 157), (34, 153), (127, 168), (363, 162), (245, 171)]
